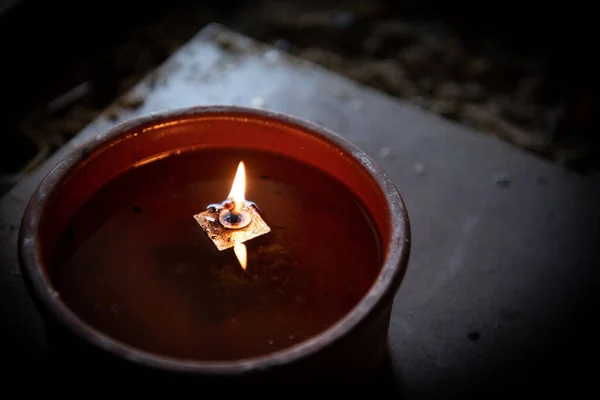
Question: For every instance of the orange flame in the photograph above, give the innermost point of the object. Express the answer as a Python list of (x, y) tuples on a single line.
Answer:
[(237, 194), (238, 189)]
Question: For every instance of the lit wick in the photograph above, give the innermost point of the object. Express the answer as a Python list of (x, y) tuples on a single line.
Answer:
[(237, 194), (239, 220), (233, 215)]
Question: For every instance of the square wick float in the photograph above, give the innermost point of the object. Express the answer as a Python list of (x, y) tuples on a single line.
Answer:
[(225, 238)]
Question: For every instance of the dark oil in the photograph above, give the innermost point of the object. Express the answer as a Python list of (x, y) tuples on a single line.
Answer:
[(135, 264)]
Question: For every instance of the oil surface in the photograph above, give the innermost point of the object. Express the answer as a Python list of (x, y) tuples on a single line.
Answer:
[(135, 264)]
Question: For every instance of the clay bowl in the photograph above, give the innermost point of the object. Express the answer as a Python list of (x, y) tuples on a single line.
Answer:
[(350, 350)]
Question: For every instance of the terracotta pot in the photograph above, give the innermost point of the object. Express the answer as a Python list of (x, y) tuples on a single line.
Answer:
[(353, 348)]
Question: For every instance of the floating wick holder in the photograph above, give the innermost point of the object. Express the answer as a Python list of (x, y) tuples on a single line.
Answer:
[(224, 237), (230, 221)]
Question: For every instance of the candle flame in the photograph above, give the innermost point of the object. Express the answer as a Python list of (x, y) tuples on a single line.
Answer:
[(241, 254), (238, 189), (237, 194)]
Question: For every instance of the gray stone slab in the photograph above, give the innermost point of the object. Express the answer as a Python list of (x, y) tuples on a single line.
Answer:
[(497, 267)]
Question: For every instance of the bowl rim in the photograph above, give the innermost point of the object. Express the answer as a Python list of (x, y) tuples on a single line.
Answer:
[(381, 292)]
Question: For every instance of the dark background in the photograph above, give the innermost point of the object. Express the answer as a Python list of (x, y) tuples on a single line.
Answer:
[(51, 47)]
